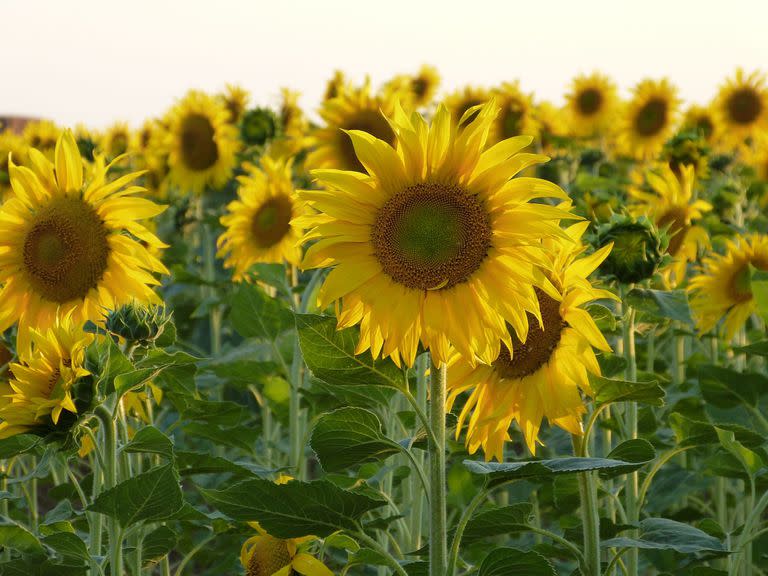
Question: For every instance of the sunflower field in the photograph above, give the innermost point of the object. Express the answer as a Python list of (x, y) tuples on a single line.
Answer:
[(409, 333)]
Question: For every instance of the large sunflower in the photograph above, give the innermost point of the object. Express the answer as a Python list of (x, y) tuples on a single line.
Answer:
[(517, 114), (542, 375), (42, 381), (741, 108), (438, 244), (202, 143), (722, 290), (670, 203), (71, 247), (649, 118), (258, 224), (591, 104)]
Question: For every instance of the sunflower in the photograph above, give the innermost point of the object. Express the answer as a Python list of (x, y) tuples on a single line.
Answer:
[(591, 104), (551, 126), (71, 247), (702, 120), (540, 376), (335, 86), (258, 224), (671, 205), (292, 117), (42, 383), (741, 108), (202, 143), (462, 100), (757, 159), (517, 112), (115, 140), (437, 245), (353, 109), (13, 145), (722, 289), (648, 119), (420, 88), (235, 99), (42, 135)]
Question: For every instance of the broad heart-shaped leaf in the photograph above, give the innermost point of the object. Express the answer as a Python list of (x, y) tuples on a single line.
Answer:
[(294, 509), (330, 354), (695, 433), (194, 463), (609, 390), (16, 537), (157, 544), (254, 314), (350, 436), (728, 388), (759, 348), (70, 547), (664, 534), (749, 459), (151, 441), (637, 451), (18, 444), (152, 496), (514, 562), (506, 471), (670, 304), (513, 518)]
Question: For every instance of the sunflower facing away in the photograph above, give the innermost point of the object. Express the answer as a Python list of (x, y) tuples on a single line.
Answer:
[(542, 376), (438, 244), (648, 119), (741, 108), (352, 109), (73, 247), (722, 290), (672, 206), (41, 386), (591, 104), (202, 143), (258, 224)]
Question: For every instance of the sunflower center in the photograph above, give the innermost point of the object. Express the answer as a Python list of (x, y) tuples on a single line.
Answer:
[(589, 101), (199, 150), (744, 106), (370, 121), (268, 556), (528, 357), (431, 236), (272, 221), (53, 380), (652, 117), (676, 221), (66, 250), (419, 87)]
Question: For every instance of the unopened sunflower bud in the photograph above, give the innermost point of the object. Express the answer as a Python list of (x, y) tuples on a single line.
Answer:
[(259, 126), (638, 248), (138, 323)]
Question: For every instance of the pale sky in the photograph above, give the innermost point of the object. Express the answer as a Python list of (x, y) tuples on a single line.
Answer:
[(99, 61)]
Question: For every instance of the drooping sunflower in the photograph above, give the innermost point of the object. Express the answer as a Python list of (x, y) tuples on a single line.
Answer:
[(70, 247), (648, 119), (591, 104), (702, 120), (115, 141), (722, 290), (540, 377), (258, 224), (439, 244), (741, 108), (202, 143), (42, 383), (517, 116), (353, 109), (235, 99), (462, 100), (670, 203), (42, 135)]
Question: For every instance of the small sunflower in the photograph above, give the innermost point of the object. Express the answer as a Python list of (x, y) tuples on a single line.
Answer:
[(11, 145), (551, 126), (419, 88), (42, 383), (292, 117), (42, 135), (265, 555), (353, 109), (541, 376), (202, 143), (235, 99), (335, 86), (702, 120), (591, 104), (671, 205), (439, 244), (649, 118), (517, 116), (741, 108), (115, 141), (722, 290), (73, 247), (259, 225), (462, 100)]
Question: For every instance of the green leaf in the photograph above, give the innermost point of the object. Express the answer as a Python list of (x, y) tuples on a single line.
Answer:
[(152, 496), (505, 471), (759, 288), (728, 388), (157, 544), (150, 367), (254, 314), (70, 547), (690, 432), (514, 562), (636, 451), (749, 459), (759, 348), (610, 390), (18, 444), (294, 509), (238, 437), (670, 304), (506, 520), (330, 354), (193, 463), (150, 440), (348, 437), (664, 534), (17, 537)]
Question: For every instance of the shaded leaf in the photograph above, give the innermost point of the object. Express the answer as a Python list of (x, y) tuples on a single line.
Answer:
[(610, 390), (506, 520), (150, 440), (514, 562), (670, 304), (665, 534), (157, 544), (505, 471), (254, 314)]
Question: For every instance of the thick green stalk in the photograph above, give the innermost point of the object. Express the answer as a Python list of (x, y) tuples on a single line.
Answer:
[(297, 424), (630, 420), (590, 517), (438, 546), (422, 364), (109, 429)]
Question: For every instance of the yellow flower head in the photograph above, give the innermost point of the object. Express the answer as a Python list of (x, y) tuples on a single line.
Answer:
[(648, 119), (10, 145), (258, 224), (438, 244), (550, 123), (291, 115), (73, 247), (335, 86), (235, 99), (418, 90), (115, 141), (517, 116), (42, 381), (591, 104), (702, 120), (42, 135), (722, 289), (741, 108), (460, 101), (541, 376)]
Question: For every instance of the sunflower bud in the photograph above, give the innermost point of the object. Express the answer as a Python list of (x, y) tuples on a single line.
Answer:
[(137, 323), (638, 248), (259, 126)]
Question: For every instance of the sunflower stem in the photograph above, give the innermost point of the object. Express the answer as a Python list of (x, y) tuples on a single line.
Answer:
[(438, 545), (590, 517), (296, 414), (419, 403), (109, 428)]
